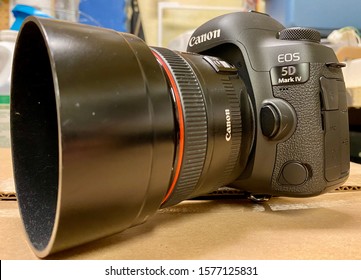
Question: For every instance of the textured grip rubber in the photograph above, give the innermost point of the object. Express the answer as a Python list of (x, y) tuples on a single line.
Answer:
[(308, 139), (193, 112)]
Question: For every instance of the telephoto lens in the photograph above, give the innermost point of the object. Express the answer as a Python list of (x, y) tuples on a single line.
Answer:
[(106, 130)]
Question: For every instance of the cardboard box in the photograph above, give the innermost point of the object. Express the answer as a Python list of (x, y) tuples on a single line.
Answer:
[(4, 14)]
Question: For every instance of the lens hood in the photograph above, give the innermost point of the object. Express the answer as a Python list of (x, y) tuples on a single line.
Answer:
[(91, 157)]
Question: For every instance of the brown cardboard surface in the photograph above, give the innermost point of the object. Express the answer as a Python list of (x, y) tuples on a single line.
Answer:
[(326, 227), (323, 227), (7, 187), (4, 14)]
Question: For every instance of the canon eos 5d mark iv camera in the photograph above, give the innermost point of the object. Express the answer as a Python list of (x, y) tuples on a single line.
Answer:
[(300, 144), (106, 130)]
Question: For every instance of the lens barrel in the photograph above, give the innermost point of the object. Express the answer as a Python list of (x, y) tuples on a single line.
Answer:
[(106, 130)]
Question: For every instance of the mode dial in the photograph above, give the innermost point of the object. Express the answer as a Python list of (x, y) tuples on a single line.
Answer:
[(300, 34)]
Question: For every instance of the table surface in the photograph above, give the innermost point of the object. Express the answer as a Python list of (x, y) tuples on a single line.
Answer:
[(322, 227)]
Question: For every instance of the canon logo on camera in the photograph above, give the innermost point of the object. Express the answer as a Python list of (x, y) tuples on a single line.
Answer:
[(195, 40)]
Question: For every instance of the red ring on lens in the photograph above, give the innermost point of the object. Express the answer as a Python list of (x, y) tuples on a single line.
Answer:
[(179, 109)]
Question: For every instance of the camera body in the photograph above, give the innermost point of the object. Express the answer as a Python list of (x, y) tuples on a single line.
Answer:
[(295, 85)]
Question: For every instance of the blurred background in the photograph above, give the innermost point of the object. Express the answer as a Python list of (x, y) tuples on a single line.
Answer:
[(172, 17)]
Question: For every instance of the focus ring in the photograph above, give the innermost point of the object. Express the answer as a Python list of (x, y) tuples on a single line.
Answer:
[(195, 125)]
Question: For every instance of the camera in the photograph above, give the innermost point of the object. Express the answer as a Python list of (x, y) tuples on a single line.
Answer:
[(106, 130)]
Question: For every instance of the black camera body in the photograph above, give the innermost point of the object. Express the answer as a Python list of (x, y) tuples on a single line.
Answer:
[(296, 88)]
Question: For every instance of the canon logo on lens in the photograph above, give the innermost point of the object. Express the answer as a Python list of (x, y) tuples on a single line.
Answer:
[(228, 125)]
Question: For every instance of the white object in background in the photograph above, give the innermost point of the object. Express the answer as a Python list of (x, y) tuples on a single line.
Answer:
[(67, 9), (7, 45), (351, 75), (347, 36), (162, 6), (180, 43)]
